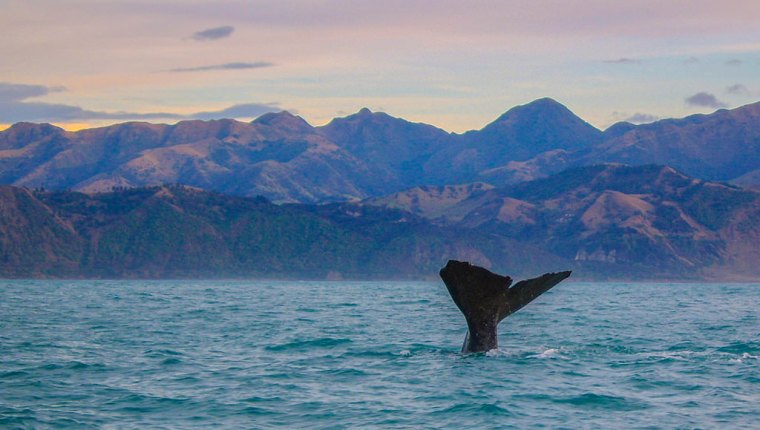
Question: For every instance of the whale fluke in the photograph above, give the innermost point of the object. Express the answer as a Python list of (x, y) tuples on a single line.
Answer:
[(486, 298)]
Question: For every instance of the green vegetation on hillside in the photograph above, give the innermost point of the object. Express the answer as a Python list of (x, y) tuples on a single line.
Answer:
[(608, 221)]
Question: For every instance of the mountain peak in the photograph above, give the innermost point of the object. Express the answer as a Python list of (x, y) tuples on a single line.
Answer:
[(27, 127), (618, 129), (528, 130), (23, 133), (546, 107), (545, 101), (365, 114), (283, 120)]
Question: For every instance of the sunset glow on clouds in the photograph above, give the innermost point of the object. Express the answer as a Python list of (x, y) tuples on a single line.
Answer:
[(454, 64)]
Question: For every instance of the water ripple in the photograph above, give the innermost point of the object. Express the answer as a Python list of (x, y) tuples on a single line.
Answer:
[(201, 354)]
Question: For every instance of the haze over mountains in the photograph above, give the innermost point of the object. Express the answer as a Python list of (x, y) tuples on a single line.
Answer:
[(367, 154)]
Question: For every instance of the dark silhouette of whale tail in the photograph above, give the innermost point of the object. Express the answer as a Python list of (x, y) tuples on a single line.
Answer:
[(486, 298)]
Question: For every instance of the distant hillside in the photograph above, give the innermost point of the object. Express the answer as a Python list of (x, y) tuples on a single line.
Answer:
[(495, 153), (604, 222), (618, 220), (397, 149), (369, 154), (278, 155), (179, 232), (721, 146), (432, 202)]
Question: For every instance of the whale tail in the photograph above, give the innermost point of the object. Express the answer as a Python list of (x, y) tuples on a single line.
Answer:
[(485, 298)]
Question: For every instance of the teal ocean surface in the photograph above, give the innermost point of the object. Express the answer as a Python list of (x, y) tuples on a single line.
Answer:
[(218, 354)]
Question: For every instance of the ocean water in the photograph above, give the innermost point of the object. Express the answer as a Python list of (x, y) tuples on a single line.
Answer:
[(218, 354)]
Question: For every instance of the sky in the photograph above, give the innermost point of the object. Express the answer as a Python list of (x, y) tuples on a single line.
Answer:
[(454, 64)]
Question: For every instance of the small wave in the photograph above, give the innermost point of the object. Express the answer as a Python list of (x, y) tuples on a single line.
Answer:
[(474, 408), (346, 372), (139, 402), (162, 353), (11, 417), (546, 353), (411, 302), (602, 401), (344, 305), (741, 348), (419, 349), (187, 379), (413, 351), (257, 411), (78, 365), (259, 399), (491, 353), (326, 342), (369, 353), (745, 356), (496, 352), (664, 356), (13, 374), (73, 365), (549, 353)]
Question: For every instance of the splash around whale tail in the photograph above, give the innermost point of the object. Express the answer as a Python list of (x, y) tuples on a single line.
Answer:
[(485, 298)]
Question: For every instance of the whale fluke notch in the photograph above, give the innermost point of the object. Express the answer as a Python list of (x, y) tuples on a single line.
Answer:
[(485, 298)]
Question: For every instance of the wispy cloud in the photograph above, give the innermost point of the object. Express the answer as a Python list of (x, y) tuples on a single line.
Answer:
[(691, 60), (703, 99), (623, 60), (246, 110), (14, 92), (734, 62), (738, 90), (15, 106), (214, 33), (226, 66), (641, 118)]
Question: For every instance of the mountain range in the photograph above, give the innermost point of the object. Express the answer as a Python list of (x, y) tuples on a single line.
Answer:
[(369, 154), (372, 196), (604, 222)]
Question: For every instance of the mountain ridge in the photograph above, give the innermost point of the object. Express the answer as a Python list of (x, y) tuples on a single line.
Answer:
[(641, 216), (604, 222), (367, 154)]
